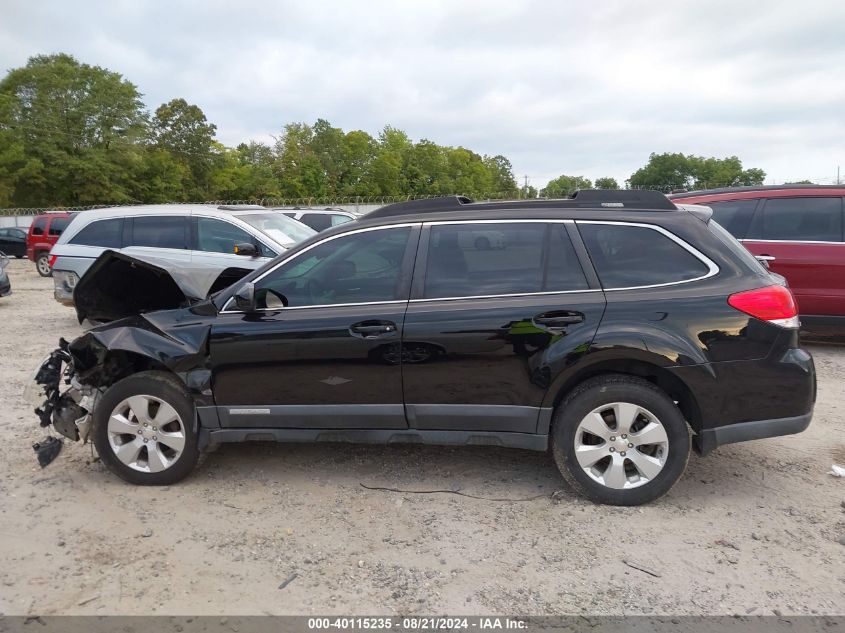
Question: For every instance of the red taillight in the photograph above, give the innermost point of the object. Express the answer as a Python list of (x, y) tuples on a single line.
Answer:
[(772, 303), (52, 260)]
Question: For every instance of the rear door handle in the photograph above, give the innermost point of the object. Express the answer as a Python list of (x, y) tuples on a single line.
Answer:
[(558, 319), (372, 329)]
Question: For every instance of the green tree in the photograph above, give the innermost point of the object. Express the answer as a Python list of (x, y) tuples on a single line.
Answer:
[(564, 186), (183, 130), (665, 172), (70, 134), (501, 175), (606, 183)]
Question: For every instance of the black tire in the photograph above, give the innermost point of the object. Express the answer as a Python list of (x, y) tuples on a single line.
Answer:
[(482, 243), (42, 264), (602, 390), (18, 256), (164, 387)]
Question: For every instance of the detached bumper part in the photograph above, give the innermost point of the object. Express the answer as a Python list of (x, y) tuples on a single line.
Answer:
[(47, 450), (708, 439)]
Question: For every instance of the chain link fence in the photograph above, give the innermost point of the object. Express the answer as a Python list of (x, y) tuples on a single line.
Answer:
[(368, 202)]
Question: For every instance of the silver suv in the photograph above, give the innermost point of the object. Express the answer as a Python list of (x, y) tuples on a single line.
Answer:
[(193, 234)]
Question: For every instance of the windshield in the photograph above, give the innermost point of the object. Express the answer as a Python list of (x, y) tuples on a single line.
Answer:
[(284, 230)]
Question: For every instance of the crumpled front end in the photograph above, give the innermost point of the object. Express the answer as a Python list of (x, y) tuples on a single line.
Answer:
[(60, 399), (69, 383)]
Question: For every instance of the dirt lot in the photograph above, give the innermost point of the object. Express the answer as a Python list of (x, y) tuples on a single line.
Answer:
[(753, 528)]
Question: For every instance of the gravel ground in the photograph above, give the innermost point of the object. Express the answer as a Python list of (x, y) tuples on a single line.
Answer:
[(755, 528)]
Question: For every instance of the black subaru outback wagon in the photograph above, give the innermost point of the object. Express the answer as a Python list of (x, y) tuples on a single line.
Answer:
[(615, 328)]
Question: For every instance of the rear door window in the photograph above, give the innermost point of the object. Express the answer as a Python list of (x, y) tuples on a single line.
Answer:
[(167, 231), (629, 256), (799, 220), (58, 225), (39, 225), (105, 233), (490, 259), (734, 215)]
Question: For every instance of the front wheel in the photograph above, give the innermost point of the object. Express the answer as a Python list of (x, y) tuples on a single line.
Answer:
[(620, 440), (42, 264), (144, 429)]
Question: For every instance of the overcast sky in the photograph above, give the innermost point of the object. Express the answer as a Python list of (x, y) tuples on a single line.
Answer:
[(581, 88)]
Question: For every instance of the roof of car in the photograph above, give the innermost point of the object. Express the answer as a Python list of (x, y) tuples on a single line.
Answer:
[(174, 209), (780, 188), (587, 199)]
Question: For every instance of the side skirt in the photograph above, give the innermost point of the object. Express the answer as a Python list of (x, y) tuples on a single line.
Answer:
[(528, 441)]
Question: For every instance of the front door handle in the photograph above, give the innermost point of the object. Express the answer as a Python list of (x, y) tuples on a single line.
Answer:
[(372, 329), (558, 319)]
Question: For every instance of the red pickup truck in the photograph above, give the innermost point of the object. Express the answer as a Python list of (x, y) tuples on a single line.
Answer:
[(798, 231)]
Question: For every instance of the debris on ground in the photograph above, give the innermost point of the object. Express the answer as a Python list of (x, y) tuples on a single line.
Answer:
[(641, 568), (837, 471), (288, 580), (47, 450)]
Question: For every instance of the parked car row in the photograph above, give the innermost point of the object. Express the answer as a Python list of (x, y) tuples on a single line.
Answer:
[(197, 236), (611, 327)]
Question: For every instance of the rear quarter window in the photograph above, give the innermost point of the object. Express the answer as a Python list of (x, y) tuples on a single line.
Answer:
[(628, 256), (39, 225), (734, 215), (105, 233)]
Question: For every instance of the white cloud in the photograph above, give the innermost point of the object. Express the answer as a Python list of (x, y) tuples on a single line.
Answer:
[(577, 88)]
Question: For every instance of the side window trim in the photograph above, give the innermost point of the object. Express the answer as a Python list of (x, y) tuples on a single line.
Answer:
[(418, 284), (712, 268), (405, 272)]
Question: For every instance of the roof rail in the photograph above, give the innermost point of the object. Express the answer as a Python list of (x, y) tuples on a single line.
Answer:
[(446, 203), (241, 207), (633, 198)]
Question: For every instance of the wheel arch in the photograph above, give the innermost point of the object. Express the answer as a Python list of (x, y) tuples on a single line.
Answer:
[(658, 375)]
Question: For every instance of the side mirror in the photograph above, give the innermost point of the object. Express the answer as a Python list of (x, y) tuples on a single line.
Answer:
[(246, 249), (245, 298)]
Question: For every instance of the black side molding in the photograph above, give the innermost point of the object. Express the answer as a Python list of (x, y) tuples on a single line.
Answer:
[(528, 441), (708, 439)]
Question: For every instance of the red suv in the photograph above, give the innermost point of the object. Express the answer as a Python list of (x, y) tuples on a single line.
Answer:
[(43, 233), (798, 231)]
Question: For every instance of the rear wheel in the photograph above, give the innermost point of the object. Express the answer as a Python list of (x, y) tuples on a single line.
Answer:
[(620, 440), (482, 243), (42, 264), (144, 429)]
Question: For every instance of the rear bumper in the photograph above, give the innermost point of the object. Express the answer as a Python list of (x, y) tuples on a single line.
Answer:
[(708, 439)]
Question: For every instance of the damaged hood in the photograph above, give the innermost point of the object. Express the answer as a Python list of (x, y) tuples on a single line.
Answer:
[(119, 285)]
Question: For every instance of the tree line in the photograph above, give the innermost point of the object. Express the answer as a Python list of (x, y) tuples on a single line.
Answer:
[(74, 134)]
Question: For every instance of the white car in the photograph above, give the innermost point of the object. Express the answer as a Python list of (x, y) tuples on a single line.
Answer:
[(320, 219), (194, 234)]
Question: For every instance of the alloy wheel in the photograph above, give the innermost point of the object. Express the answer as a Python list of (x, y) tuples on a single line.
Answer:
[(621, 445), (43, 265), (146, 433)]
